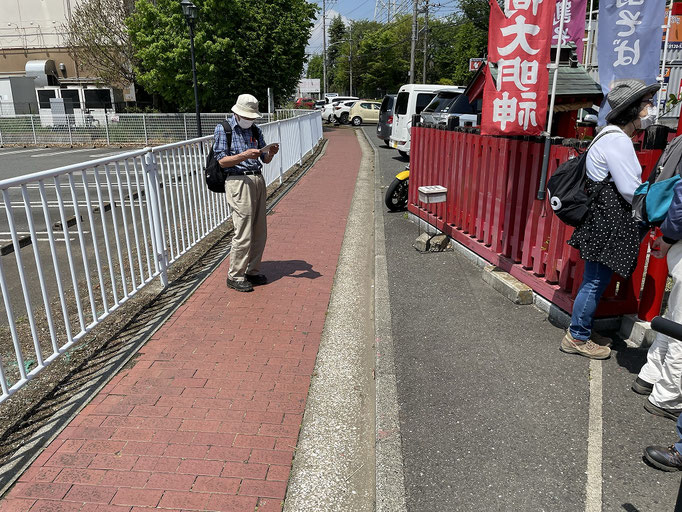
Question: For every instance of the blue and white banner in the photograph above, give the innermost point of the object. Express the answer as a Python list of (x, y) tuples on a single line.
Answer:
[(629, 43)]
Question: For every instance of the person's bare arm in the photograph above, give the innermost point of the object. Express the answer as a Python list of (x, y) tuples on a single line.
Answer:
[(232, 160)]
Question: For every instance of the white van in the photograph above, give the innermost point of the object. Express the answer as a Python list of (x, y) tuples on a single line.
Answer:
[(411, 99)]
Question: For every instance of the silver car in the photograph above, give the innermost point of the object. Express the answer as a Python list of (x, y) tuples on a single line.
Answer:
[(459, 107)]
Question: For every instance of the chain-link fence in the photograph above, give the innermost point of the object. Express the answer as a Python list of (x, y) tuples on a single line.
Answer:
[(102, 128)]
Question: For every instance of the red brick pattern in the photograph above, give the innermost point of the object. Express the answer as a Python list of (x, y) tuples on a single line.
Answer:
[(209, 416)]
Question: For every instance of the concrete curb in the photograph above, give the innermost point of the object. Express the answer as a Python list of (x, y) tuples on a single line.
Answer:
[(508, 285), (390, 478)]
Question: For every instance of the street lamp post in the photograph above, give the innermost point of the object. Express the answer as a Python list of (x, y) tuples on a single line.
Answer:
[(190, 12)]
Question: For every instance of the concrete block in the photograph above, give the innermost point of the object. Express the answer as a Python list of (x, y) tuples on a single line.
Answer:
[(422, 242), (440, 243), (636, 332), (507, 285)]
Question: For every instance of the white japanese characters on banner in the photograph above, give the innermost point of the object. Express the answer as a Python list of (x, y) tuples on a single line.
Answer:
[(515, 103), (629, 42), (574, 24)]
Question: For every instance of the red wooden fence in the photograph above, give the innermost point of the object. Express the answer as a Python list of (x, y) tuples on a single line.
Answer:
[(491, 208)]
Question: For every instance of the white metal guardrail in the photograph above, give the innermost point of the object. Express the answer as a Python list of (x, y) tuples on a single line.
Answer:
[(100, 231), (107, 128)]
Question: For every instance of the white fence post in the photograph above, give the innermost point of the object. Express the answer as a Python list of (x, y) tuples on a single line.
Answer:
[(33, 127), (300, 139), (0, 138), (106, 126), (68, 125), (161, 255), (281, 148), (144, 126)]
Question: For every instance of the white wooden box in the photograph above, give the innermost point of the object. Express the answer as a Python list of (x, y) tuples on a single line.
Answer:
[(432, 194)]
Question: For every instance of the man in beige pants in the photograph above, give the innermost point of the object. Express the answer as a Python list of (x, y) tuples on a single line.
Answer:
[(245, 190)]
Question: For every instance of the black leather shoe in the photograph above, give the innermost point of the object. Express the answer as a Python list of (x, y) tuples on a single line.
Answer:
[(671, 414), (240, 286), (642, 387), (256, 279), (667, 459)]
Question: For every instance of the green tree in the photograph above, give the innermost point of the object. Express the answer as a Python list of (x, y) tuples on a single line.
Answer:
[(454, 42), (383, 58), (315, 67), (337, 35), (348, 56), (240, 46)]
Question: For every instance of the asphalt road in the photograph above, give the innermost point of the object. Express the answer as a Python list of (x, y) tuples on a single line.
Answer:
[(18, 161), (493, 416)]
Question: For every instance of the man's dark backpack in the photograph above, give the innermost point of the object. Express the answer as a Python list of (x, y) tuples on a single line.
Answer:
[(215, 175), (566, 189)]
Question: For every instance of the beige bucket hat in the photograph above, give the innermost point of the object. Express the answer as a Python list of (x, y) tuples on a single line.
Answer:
[(247, 107)]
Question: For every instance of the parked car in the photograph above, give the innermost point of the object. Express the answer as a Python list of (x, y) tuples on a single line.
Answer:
[(328, 110), (460, 107), (386, 118), (319, 104), (364, 111), (441, 102), (305, 103), (411, 99), (342, 111)]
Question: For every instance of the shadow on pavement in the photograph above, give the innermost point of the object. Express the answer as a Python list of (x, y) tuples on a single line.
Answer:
[(275, 270), (630, 358)]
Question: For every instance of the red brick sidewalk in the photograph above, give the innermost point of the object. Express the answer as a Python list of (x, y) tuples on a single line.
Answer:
[(208, 417)]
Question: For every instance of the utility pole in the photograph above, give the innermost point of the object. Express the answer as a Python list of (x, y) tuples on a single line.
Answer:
[(414, 40), (426, 37), (324, 49), (350, 57)]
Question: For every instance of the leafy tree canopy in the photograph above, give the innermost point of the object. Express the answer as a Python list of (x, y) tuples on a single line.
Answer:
[(98, 40), (381, 52), (241, 46)]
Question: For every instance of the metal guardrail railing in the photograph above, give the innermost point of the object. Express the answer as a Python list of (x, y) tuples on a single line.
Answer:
[(107, 128), (100, 231)]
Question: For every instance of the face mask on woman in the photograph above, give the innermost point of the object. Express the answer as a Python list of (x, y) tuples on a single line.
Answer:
[(648, 119), (244, 123)]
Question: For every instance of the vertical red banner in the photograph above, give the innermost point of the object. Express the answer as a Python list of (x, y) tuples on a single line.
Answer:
[(517, 79)]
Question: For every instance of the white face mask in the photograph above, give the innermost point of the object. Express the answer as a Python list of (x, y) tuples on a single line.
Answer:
[(649, 119), (244, 123)]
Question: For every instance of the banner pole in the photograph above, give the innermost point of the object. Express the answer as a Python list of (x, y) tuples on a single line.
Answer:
[(548, 132), (661, 78), (587, 52)]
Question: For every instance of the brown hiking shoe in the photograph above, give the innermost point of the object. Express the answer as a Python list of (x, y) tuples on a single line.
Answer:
[(584, 348), (603, 341)]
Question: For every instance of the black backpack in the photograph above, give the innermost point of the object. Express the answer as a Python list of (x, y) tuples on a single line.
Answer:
[(566, 189), (215, 175)]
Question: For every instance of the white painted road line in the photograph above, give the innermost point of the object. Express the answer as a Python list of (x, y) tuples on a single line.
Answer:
[(3, 153), (102, 155), (67, 152), (593, 502)]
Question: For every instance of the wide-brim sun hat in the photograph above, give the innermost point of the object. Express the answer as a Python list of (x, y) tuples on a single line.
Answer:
[(625, 93), (247, 107)]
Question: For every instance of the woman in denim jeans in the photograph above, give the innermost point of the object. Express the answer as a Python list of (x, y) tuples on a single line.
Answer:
[(608, 239)]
